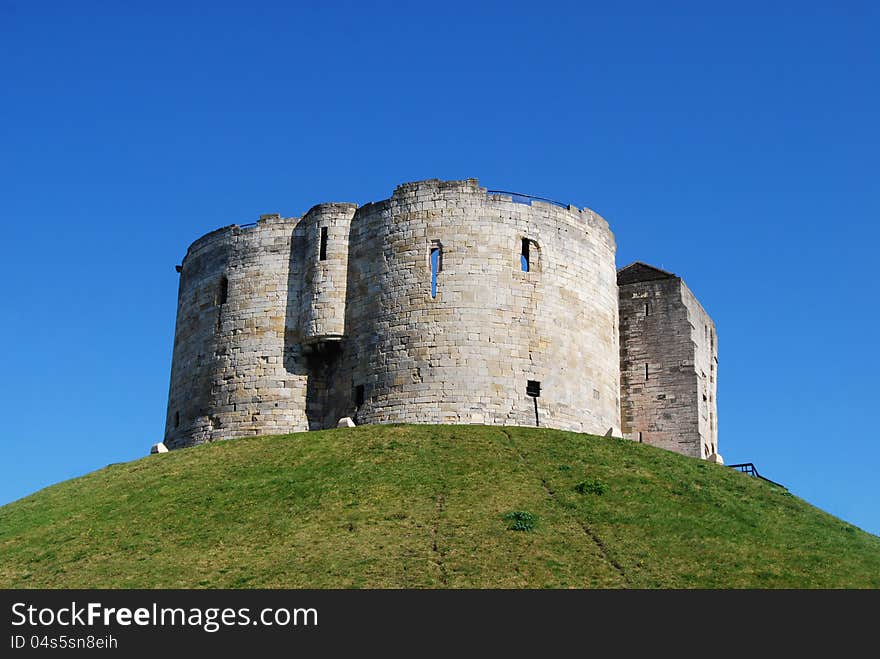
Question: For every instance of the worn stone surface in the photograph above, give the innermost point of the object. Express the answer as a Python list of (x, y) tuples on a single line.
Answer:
[(300, 341), (238, 367), (669, 363), (345, 422), (466, 355), (158, 448)]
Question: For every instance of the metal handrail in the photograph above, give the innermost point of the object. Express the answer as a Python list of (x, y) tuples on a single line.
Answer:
[(750, 469), (530, 197)]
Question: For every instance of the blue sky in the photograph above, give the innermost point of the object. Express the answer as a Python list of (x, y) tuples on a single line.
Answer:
[(735, 144)]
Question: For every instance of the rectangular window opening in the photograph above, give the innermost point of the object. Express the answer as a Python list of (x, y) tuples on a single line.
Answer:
[(524, 255), (647, 308), (646, 371), (533, 388), (436, 258), (359, 395), (223, 293), (640, 437), (322, 252)]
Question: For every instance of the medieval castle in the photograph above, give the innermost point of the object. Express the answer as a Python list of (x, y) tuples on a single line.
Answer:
[(446, 303)]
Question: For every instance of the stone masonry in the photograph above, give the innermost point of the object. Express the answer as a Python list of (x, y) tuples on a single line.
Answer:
[(446, 303), (668, 363)]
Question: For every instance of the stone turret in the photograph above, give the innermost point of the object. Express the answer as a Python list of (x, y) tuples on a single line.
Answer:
[(324, 231)]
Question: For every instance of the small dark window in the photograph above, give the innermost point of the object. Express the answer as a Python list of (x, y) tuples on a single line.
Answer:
[(646, 371), (533, 388), (436, 259), (223, 293), (322, 252), (177, 419), (647, 308), (529, 255), (640, 437), (359, 395)]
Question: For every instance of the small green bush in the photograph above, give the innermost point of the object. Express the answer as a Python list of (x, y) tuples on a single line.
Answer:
[(591, 487), (520, 520)]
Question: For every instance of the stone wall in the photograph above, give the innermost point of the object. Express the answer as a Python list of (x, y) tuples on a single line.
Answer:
[(466, 355), (705, 340), (324, 230), (668, 356), (236, 368)]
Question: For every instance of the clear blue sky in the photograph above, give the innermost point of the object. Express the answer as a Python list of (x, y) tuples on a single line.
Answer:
[(736, 145)]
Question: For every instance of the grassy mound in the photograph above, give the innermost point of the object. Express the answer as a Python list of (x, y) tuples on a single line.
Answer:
[(426, 506)]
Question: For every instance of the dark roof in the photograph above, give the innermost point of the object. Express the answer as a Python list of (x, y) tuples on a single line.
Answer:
[(638, 271)]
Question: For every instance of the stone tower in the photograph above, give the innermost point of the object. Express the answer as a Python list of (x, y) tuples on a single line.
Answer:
[(445, 324), (446, 303), (668, 363)]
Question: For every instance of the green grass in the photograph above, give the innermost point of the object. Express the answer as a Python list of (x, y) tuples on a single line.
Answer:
[(426, 507)]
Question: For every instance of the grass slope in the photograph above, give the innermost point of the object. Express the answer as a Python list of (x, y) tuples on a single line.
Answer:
[(424, 506)]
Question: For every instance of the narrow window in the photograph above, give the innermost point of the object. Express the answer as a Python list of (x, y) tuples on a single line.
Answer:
[(529, 256), (359, 396), (322, 252), (177, 419), (223, 293), (640, 437), (647, 308), (646, 371), (436, 258)]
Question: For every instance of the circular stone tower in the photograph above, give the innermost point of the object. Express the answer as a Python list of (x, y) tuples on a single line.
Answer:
[(236, 368), (469, 307)]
